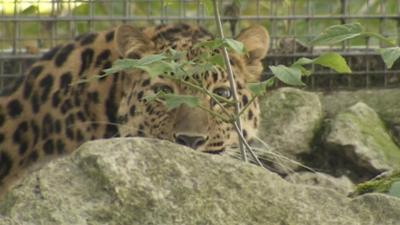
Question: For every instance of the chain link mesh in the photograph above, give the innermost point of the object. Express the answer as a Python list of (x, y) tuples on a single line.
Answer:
[(30, 27)]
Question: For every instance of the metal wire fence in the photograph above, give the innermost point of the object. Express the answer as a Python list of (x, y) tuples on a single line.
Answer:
[(30, 27)]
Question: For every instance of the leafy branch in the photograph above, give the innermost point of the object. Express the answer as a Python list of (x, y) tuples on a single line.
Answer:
[(175, 66), (293, 74), (232, 85), (332, 35), (339, 33)]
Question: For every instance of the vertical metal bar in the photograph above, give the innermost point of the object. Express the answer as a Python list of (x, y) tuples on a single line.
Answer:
[(382, 21), (310, 33), (345, 44), (15, 40), (398, 22), (2, 72), (55, 24), (112, 9), (292, 25), (20, 69), (90, 20), (197, 11), (367, 56), (343, 12), (127, 10), (162, 11), (51, 24), (149, 9), (273, 22), (272, 29), (181, 10), (71, 23), (165, 11)]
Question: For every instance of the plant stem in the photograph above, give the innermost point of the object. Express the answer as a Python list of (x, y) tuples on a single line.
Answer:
[(215, 114), (247, 105), (201, 89), (381, 38), (248, 147), (231, 81), (213, 96)]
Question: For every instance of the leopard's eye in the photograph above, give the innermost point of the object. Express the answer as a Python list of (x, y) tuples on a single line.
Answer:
[(223, 92), (163, 88)]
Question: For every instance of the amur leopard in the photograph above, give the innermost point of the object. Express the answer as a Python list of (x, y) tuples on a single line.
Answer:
[(45, 116)]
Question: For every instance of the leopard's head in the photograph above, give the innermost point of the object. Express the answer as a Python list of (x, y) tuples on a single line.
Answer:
[(194, 127)]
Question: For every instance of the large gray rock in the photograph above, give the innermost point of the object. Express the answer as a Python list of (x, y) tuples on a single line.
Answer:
[(8, 221), (359, 135), (379, 209), (145, 181), (289, 120), (340, 184), (385, 102)]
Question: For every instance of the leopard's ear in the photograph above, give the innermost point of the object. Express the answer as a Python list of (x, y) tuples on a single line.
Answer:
[(131, 42), (256, 41)]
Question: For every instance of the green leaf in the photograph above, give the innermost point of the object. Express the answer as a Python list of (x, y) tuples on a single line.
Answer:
[(198, 68), (30, 11), (330, 59), (120, 65), (303, 70), (390, 55), (303, 61), (388, 41), (394, 189), (238, 2), (288, 75), (217, 60), (209, 6), (236, 46), (213, 44), (148, 59), (338, 33), (171, 3), (176, 55), (81, 10), (155, 69), (334, 61), (152, 64), (261, 87), (173, 101), (152, 97)]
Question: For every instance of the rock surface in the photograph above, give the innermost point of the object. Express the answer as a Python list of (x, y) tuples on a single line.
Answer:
[(144, 181), (385, 102), (340, 184), (359, 135), (379, 209), (388, 183), (289, 120)]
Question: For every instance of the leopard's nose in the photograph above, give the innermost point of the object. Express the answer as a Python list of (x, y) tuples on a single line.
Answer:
[(192, 141)]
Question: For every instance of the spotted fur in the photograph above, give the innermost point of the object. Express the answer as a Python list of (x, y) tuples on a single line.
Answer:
[(49, 115)]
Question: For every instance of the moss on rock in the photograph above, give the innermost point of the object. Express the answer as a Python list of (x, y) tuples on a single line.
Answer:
[(360, 135)]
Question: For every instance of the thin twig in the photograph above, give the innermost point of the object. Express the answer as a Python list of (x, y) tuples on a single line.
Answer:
[(231, 81), (215, 114), (247, 105), (280, 156), (199, 88), (248, 147), (213, 96)]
